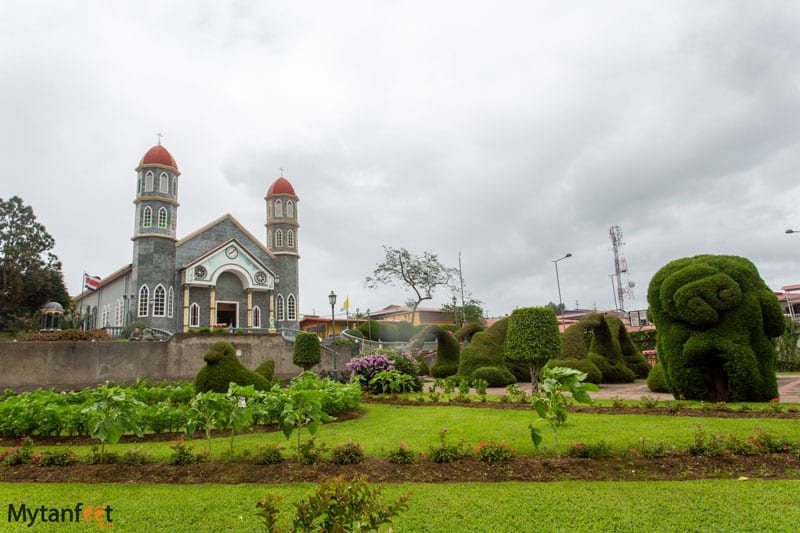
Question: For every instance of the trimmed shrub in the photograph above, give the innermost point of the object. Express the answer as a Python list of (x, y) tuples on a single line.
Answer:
[(466, 331), (494, 376), (656, 381), (716, 318), (355, 333), (612, 373), (533, 338), (485, 350), (630, 353), (267, 369), (573, 344), (307, 350), (222, 368), (593, 374), (448, 353)]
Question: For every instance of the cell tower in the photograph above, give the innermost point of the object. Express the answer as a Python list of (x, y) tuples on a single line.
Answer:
[(622, 289)]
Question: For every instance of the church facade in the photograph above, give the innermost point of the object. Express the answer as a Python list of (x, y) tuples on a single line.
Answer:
[(220, 275)]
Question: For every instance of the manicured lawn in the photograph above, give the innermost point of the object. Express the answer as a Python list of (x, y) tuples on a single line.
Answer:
[(716, 505)]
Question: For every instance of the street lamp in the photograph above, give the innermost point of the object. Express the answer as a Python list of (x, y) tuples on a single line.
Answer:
[(790, 230), (455, 311), (558, 284), (332, 300)]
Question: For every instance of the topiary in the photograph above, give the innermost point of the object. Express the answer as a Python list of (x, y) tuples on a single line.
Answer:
[(715, 318), (656, 381), (494, 376), (223, 368), (533, 338), (307, 350), (448, 352), (484, 350), (593, 374), (612, 373), (267, 369), (630, 353), (465, 332)]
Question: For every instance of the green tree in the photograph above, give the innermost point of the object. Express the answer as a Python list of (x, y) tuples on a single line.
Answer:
[(420, 274), (471, 311), (307, 350), (533, 338), (30, 274)]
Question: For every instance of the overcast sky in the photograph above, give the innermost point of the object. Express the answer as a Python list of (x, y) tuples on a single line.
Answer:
[(512, 132)]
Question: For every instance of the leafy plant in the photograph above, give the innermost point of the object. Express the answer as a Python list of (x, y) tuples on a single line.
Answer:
[(551, 404), (310, 453), (114, 412), (303, 409), (444, 452), (402, 455), (493, 452), (268, 454), (337, 505), (393, 381), (349, 453)]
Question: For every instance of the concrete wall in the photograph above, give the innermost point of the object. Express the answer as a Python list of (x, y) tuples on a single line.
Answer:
[(26, 366)]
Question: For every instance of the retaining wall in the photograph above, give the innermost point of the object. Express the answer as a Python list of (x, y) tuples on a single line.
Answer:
[(26, 366)]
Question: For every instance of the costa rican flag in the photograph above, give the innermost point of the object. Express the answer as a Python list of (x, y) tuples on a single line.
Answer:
[(91, 282)]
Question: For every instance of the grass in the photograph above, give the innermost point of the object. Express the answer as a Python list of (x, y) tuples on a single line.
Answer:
[(384, 427), (475, 507)]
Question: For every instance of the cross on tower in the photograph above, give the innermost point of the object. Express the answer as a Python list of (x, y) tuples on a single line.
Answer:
[(282, 169), (159, 135)]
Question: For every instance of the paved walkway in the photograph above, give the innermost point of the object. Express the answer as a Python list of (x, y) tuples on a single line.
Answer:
[(788, 390)]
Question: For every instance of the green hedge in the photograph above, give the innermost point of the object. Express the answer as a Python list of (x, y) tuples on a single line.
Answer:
[(307, 350), (656, 381)]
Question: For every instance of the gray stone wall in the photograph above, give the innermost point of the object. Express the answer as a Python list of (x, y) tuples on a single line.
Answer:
[(26, 366)]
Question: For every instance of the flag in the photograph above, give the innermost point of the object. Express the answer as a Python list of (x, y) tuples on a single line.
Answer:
[(91, 282), (347, 303)]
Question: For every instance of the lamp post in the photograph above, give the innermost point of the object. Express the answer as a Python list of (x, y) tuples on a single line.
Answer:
[(332, 300), (455, 311), (558, 284)]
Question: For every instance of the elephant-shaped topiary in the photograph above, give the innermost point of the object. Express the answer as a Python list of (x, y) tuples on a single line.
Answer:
[(222, 368), (715, 317)]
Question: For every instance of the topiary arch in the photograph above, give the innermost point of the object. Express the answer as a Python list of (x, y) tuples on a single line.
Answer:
[(715, 317)]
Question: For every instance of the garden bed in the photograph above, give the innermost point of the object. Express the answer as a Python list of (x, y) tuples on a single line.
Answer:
[(525, 468)]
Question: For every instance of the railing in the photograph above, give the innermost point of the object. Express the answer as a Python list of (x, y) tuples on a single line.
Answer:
[(368, 345), (149, 333)]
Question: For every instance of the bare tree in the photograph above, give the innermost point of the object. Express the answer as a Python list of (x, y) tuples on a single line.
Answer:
[(420, 274)]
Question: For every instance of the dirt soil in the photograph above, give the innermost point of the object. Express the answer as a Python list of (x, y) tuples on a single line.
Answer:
[(675, 466)]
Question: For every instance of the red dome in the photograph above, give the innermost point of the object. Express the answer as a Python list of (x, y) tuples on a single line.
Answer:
[(158, 156), (280, 186)]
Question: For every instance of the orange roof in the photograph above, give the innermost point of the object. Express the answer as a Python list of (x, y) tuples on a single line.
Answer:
[(280, 186), (158, 156)]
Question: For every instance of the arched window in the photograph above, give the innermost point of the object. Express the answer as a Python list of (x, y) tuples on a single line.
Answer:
[(256, 317), (289, 209), (163, 183), (105, 316), (119, 312), (269, 239), (171, 303), (175, 186), (278, 209), (159, 301), (139, 185), (278, 238), (144, 300), (289, 238), (269, 211), (162, 218), (194, 315), (147, 217), (279, 307), (291, 308), (148, 181)]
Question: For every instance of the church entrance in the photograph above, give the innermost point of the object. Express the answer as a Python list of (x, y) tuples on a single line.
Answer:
[(227, 313)]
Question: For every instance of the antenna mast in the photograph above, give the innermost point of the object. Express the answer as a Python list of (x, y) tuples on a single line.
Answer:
[(623, 290)]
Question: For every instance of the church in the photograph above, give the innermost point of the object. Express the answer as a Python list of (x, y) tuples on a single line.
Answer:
[(219, 275)]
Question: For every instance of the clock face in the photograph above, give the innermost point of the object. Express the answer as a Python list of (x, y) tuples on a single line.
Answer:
[(199, 272), (261, 278), (231, 252)]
